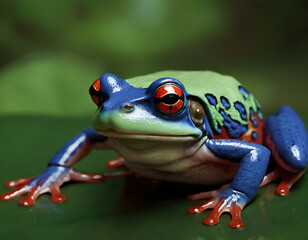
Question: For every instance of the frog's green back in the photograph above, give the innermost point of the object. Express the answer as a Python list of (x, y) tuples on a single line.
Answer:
[(200, 83)]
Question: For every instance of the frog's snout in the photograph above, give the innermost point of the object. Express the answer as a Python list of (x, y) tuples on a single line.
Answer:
[(128, 107), (106, 86)]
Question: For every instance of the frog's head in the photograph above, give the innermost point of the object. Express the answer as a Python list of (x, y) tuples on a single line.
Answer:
[(164, 111)]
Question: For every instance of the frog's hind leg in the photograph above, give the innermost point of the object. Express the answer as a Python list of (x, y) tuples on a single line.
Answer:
[(286, 137)]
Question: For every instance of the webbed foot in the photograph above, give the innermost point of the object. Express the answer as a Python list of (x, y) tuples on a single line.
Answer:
[(286, 179), (227, 201), (49, 181)]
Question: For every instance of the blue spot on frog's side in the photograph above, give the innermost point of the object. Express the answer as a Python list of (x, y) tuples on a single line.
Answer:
[(234, 128)]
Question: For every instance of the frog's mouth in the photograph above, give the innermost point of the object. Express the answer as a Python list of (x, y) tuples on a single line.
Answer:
[(142, 136)]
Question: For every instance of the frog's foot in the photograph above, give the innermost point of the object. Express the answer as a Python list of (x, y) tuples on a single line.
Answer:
[(286, 179), (208, 194), (225, 202), (115, 163), (49, 181)]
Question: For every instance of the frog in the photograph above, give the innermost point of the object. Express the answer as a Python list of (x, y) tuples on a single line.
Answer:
[(191, 127)]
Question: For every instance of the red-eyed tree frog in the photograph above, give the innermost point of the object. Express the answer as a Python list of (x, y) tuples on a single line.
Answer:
[(195, 127)]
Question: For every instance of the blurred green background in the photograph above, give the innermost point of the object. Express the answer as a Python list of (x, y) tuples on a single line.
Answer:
[(59, 48), (51, 51)]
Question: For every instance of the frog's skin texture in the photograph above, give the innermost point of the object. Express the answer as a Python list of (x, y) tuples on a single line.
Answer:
[(190, 127)]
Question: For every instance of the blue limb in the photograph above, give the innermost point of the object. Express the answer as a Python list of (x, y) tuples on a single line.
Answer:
[(58, 171), (286, 136), (253, 160), (65, 155)]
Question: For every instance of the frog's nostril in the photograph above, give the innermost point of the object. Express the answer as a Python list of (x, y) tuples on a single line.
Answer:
[(128, 107)]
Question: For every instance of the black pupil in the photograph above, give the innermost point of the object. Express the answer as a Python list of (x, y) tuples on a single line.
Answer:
[(170, 99)]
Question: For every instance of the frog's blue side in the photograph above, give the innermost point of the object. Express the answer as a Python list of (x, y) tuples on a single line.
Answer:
[(234, 128)]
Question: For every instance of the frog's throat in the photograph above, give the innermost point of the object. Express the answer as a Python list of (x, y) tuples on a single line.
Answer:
[(152, 137)]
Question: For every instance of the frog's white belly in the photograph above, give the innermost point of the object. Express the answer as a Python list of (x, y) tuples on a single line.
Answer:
[(187, 162)]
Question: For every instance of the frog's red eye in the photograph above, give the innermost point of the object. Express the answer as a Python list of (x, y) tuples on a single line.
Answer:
[(169, 99), (95, 90)]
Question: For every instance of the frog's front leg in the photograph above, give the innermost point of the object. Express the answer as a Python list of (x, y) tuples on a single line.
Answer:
[(286, 137), (253, 160), (59, 170)]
